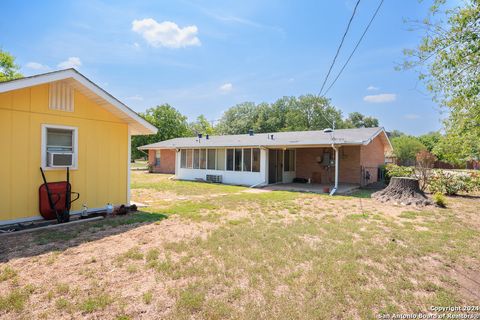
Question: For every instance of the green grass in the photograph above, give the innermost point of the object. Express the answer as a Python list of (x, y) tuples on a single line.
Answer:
[(16, 299), (7, 273), (95, 303), (147, 297)]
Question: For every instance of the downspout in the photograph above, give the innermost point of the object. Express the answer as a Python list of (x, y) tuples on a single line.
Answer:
[(336, 170)]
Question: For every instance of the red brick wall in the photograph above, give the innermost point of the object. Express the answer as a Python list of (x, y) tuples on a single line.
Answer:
[(307, 165), (167, 161), (372, 156)]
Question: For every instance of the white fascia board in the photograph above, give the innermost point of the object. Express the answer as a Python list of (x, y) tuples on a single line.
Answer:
[(72, 73)]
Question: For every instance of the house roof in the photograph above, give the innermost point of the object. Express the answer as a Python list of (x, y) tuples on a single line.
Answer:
[(359, 136), (137, 124)]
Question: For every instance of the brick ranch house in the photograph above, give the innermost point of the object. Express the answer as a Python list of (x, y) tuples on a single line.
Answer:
[(349, 156)]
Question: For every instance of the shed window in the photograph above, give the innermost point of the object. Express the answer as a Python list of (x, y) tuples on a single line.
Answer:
[(59, 146), (157, 158)]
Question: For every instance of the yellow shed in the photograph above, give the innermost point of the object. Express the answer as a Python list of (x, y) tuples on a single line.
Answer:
[(60, 119)]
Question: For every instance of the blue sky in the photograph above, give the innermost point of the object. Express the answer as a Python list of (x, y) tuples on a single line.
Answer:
[(205, 56)]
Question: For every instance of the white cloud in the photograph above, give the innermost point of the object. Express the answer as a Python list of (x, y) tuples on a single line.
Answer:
[(71, 62), (135, 97), (166, 34), (226, 87), (412, 116), (372, 88), (37, 66), (380, 98)]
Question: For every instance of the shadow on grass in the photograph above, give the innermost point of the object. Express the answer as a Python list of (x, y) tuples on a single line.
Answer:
[(42, 241)]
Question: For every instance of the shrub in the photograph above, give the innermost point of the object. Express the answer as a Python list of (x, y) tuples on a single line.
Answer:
[(452, 183), (399, 171), (439, 200), (424, 164)]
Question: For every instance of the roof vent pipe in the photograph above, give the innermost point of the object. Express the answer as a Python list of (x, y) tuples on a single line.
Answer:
[(271, 137), (207, 136), (250, 132), (200, 135)]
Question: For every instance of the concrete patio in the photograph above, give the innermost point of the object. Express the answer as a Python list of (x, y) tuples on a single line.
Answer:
[(343, 188)]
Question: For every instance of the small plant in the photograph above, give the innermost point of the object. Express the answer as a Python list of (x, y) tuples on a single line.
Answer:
[(394, 170), (152, 255), (7, 273), (439, 200), (94, 303), (147, 297)]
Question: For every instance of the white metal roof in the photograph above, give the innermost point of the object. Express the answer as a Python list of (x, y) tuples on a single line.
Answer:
[(137, 124), (358, 136)]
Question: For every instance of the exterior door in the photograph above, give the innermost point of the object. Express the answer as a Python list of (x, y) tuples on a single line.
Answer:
[(275, 166)]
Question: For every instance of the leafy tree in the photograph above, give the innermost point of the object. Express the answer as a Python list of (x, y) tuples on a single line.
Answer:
[(395, 133), (405, 148), (8, 67), (430, 140), (170, 123), (448, 60), (238, 119), (201, 125), (358, 120)]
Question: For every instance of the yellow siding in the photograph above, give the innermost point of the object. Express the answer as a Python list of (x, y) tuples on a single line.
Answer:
[(101, 176)]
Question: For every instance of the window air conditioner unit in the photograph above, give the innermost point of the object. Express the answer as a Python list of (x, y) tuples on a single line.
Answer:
[(60, 159), (215, 178)]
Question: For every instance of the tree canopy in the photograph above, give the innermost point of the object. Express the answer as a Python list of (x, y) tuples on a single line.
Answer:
[(8, 67), (169, 122), (448, 61), (405, 148)]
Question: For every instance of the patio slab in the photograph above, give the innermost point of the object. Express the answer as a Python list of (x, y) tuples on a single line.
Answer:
[(343, 188)]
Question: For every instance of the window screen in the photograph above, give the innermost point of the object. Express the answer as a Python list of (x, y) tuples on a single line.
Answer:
[(238, 159), (230, 159), (256, 160), (183, 158), (211, 159), (189, 158), (203, 158), (196, 158), (157, 158), (247, 159), (220, 159), (286, 164)]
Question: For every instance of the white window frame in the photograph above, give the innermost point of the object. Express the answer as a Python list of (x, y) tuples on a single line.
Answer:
[(157, 164), (43, 150)]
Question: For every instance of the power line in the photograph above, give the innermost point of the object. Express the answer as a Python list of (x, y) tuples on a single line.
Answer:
[(356, 46), (339, 47)]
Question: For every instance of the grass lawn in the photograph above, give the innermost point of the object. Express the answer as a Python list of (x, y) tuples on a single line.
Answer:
[(205, 251)]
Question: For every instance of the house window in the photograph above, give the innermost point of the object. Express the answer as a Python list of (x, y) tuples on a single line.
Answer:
[(59, 146), (230, 159), (157, 158), (247, 159), (256, 160), (196, 158), (189, 158), (183, 158), (203, 158), (211, 159), (220, 159), (238, 159)]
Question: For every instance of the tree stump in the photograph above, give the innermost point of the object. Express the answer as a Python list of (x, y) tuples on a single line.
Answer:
[(403, 190)]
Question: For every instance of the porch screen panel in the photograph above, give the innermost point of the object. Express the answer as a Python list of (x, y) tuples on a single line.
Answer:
[(211, 159), (203, 158), (183, 158), (292, 159), (220, 159), (247, 159), (256, 160), (238, 159), (189, 158), (230, 159), (196, 158), (286, 161)]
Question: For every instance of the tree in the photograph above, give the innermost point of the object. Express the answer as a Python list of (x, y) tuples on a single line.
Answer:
[(448, 61), (430, 140), (201, 125), (238, 119), (8, 67), (395, 133), (170, 123), (405, 148), (358, 120)]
